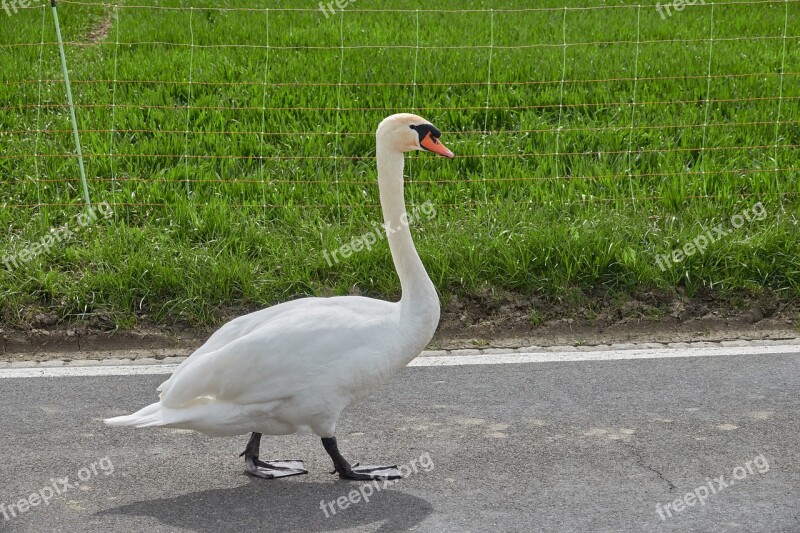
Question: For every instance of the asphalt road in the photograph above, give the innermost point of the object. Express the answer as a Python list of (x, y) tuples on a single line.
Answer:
[(561, 446)]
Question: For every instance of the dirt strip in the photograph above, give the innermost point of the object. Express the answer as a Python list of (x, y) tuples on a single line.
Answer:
[(489, 320)]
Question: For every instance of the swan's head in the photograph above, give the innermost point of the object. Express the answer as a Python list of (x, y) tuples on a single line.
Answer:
[(405, 132)]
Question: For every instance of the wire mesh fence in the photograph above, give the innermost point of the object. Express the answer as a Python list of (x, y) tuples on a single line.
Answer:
[(275, 108)]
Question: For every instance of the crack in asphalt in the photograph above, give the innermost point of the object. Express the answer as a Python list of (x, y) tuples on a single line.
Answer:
[(641, 462)]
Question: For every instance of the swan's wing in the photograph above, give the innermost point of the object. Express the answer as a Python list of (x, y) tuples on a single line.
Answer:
[(234, 330), (287, 353)]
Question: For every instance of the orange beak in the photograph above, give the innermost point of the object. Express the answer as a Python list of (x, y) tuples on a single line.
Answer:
[(432, 144)]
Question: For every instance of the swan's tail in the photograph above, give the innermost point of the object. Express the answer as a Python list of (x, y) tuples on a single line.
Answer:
[(205, 416), (150, 416)]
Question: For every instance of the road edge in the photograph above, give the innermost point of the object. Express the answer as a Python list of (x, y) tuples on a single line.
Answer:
[(172, 356)]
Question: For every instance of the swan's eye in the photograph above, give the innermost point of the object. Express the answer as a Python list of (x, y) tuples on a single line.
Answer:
[(424, 130)]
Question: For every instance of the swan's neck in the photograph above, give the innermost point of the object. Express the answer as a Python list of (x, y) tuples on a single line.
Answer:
[(419, 302)]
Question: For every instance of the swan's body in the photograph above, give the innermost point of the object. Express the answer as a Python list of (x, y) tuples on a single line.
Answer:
[(295, 366)]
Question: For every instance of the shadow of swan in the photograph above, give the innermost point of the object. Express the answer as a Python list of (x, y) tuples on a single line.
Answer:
[(281, 506)]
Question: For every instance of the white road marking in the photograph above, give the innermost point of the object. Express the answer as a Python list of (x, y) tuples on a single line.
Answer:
[(601, 355), (438, 360)]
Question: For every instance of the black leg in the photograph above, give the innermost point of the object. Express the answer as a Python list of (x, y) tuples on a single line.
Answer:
[(268, 469), (348, 471)]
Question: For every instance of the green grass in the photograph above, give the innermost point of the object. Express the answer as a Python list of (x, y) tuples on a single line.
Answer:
[(579, 186)]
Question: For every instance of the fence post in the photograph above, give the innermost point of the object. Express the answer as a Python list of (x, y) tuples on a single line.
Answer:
[(71, 105)]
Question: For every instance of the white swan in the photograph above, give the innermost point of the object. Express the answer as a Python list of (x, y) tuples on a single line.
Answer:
[(296, 366)]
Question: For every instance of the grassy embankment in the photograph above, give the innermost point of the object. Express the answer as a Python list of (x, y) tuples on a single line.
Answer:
[(556, 200)]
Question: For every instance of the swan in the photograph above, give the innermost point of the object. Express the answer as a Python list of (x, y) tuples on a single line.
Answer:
[(296, 366)]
